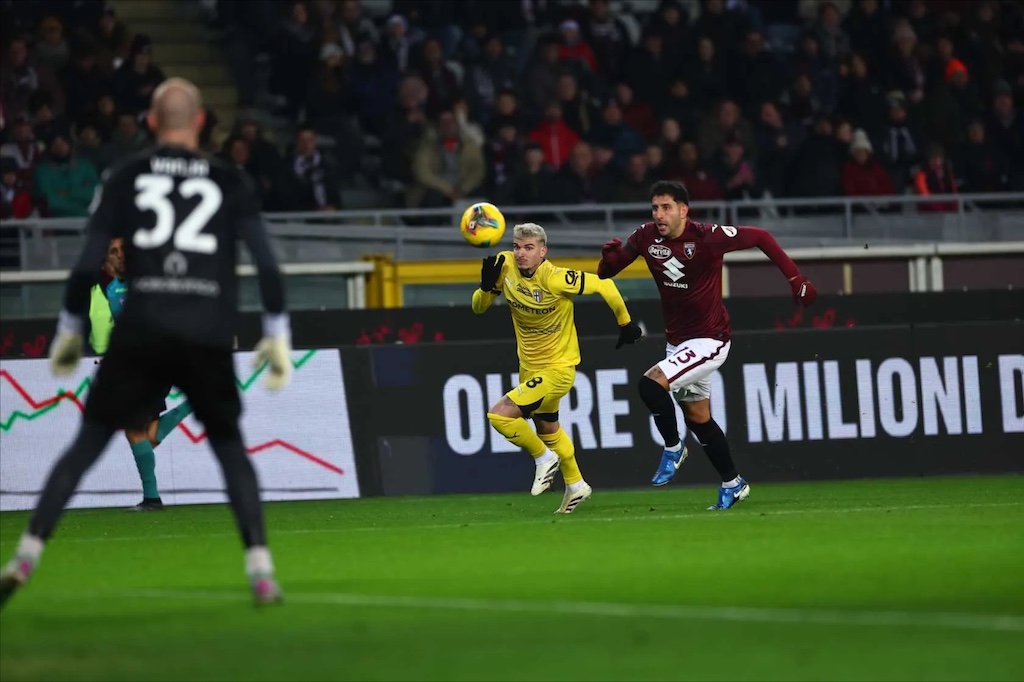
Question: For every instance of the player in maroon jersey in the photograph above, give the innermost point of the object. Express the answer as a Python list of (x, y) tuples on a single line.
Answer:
[(685, 259)]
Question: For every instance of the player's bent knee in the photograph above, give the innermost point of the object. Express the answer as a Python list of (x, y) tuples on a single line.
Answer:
[(696, 412), (650, 389)]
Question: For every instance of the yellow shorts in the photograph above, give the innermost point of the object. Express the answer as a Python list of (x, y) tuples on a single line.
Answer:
[(541, 390)]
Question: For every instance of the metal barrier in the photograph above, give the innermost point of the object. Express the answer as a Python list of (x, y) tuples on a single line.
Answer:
[(575, 230)]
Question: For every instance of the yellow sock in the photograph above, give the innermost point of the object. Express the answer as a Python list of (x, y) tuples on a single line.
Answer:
[(518, 432), (560, 443)]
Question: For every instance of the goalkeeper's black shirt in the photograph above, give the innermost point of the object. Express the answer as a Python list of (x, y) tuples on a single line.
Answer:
[(181, 214)]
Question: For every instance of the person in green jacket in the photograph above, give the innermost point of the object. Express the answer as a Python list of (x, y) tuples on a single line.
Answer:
[(107, 301), (64, 182)]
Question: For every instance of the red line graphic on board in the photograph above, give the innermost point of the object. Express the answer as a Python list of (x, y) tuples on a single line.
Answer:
[(195, 438)]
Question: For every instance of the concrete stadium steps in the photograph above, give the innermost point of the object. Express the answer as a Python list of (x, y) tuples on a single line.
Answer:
[(181, 47)]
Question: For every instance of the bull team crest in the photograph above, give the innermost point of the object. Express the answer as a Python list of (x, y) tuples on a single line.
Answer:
[(689, 248)]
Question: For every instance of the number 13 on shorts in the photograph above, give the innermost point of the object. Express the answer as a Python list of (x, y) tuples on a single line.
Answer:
[(688, 366)]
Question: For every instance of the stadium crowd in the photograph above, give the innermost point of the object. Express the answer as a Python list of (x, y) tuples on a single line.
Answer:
[(538, 102)]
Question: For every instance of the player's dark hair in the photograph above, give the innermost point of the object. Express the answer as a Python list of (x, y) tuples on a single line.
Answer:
[(673, 188)]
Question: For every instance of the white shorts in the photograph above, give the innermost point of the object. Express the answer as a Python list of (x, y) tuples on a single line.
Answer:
[(689, 366)]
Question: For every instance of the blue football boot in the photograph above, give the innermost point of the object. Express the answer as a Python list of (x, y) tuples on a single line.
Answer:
[(727, 497), (670, 463)]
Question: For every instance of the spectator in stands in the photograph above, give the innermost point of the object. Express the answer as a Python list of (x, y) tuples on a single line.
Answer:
[(578, 107), (20, 79), (648, 69), (555, 137), (755, 74), (637, 115), (114, 40), (128, 136), (504, 153), (492, 73), (574, 51), (236, 154), (656, 160), (616, 134), (980, 165), (542, 75), (137, 78), (716, 23), (534, 182), (374, 87), (860, 94), (905, 69), (866, 24), (671, 21), (1006, 127), (706, 79), (355, 29), (447, 166), (669, 141), (83, 80), (607, 36), (264, 158), (15, 199), (699, 182), (863, 174), (23, 148), (735, 172), (635, 184), (817, 170), (681, 106), (398, 43), (89, 145), (902, 144), (936, 177), (832, 39), (801, 102), (407, 125), (724, 123), (52, 52), (64, 183), (45, 123), (296, 48), (576, 183), (308, 183), (442, 82), (330, 101), (777, 142)]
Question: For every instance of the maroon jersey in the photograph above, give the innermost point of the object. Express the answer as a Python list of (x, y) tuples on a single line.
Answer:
[(688, 272)]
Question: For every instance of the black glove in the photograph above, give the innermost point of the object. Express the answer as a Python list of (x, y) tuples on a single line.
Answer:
[(629, 333), (490, 271)]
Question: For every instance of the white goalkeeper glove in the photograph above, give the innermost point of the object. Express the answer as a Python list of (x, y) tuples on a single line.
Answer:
[(274, 349), (66, 349)]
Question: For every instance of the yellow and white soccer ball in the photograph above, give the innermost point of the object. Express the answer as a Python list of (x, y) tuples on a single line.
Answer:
[(482, 225)]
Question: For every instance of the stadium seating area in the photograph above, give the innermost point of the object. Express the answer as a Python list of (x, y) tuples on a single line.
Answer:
[(420, 103)]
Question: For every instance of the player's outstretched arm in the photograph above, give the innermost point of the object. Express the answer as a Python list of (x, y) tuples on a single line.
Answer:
[(574, 283), (804, 292), (492, 269), (615, 257), (275, 347)]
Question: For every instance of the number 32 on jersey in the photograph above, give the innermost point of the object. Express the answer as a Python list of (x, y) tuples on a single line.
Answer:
[(155, 194)]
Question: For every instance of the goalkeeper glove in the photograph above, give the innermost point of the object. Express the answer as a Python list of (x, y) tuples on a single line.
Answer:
[(490, 271), (66, 349), (274, 349), (804, 292), (629, 333)]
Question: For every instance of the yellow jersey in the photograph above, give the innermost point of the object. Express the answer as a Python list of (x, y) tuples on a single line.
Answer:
[(542, 309)]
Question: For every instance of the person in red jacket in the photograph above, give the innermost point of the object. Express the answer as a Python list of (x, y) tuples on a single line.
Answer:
[(15, 199), (863, 174), (574, 49), (554, 136), (936, 178)]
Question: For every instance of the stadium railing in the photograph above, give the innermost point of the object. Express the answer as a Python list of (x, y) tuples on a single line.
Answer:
[(37, 244)]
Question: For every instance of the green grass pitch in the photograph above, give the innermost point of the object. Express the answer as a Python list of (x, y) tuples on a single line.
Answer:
[(919, 579)]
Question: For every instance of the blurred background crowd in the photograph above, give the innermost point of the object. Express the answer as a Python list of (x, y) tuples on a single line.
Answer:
[(422, 103)]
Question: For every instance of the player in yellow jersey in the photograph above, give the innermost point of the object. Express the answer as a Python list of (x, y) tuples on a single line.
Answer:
[(540, 296)]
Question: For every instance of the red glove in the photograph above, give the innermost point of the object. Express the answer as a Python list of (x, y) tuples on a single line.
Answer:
[(614, 246), (804, 292)]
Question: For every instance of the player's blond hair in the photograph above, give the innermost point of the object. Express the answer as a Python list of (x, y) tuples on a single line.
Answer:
[(530, 231)]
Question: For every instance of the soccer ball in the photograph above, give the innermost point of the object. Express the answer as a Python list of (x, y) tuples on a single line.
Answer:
[(482, 225)]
